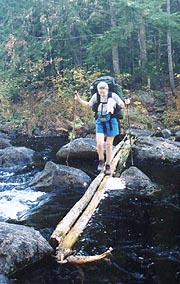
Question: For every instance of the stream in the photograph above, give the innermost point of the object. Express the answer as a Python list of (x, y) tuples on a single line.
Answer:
[(143, 228)]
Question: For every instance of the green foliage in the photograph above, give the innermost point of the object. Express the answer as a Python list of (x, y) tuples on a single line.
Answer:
[(139, 116), (41, 39), (48, 49), (171, 116), (76, 79)]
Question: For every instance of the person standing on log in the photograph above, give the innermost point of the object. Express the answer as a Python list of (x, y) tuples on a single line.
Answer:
[(106, 122)]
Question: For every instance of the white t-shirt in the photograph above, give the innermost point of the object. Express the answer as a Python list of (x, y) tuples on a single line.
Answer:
[(103, 101)]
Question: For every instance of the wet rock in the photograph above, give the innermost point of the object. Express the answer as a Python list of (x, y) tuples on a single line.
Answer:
[(177, 136), (4, 135), (4, 143), (135, 179), (53, 176), (81, 148), (165, 133), (20, 246), (156, 150), (5, 280), (140, 132), (51, 208), (7, 128), (17, 156)]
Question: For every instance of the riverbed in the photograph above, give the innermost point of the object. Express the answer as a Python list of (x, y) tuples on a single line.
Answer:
[(142, 228)]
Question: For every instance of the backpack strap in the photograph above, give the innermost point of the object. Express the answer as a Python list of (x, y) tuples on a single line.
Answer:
[(109, 95), (96, 105)]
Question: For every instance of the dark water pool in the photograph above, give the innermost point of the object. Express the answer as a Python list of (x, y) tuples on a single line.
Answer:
[(142, 228)]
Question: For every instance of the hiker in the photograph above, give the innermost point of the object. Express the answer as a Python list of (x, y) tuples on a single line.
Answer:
[(106, 123)]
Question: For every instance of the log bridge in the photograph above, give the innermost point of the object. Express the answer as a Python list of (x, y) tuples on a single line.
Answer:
[(72, 225)]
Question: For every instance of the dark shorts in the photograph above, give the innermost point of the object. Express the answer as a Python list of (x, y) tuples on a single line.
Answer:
[(108, 128)]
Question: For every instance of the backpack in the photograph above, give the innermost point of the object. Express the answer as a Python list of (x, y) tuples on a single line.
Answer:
[(113, 87)]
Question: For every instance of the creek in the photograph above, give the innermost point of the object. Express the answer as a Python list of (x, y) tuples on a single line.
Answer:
[(143, 228)]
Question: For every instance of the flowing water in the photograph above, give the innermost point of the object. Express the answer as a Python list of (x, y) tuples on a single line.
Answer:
[(143, 228)]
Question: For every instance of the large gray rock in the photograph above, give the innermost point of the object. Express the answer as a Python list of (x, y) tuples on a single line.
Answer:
[(7, 128), (4, 143), (17, 157), (20, 246), (156, 150), (177, 136), (139, 132), (147, 98), (80, 148), (54, 176), (134, 178), (165, 133)]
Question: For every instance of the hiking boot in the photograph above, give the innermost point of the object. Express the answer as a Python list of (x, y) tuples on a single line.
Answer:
[(107, 170), (100, 166)]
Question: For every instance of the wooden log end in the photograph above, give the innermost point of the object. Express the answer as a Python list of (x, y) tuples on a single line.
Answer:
[(55, 241), (62, 257)]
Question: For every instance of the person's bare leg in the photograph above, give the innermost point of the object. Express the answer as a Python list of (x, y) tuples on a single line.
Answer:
[(100, 145), (100, 149), (109, 145)]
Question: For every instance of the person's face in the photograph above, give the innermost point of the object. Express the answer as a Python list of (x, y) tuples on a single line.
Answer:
[(102, 91)]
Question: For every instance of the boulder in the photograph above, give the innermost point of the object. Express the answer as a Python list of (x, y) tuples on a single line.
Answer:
[(139, 132), (4, 143), (135, 179), (54, 176), (146, 98), (17, 156), (156, 150), (7, 128), (20, 247), (177, 136), (165, 133), (80, 148)]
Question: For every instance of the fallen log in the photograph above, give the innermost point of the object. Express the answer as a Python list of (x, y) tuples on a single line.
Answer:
[(72, 225), (67, 222), (78, 227)]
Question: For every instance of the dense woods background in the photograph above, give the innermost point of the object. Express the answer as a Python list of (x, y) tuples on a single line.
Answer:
[(49, 48)]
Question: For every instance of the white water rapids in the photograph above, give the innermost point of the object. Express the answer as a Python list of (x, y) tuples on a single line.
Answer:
[(16, 198)]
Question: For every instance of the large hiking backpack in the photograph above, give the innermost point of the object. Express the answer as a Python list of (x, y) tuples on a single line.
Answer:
[(113, 87)]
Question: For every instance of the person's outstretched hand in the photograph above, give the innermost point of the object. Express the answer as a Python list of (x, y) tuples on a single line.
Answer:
[(76, 95), (127, 101)]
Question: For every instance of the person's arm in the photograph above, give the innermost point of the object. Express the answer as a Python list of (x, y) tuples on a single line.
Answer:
[(83, 102), (121, 103), (118, 100)]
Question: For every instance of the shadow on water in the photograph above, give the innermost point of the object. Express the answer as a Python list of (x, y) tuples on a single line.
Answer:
[(142, 228)]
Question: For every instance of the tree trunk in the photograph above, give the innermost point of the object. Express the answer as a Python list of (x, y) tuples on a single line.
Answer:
[(142, 44), (169, 50), (115, 51)]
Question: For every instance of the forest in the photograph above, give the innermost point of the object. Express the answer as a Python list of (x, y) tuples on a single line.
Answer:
[(58, 208), (49, 48)]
